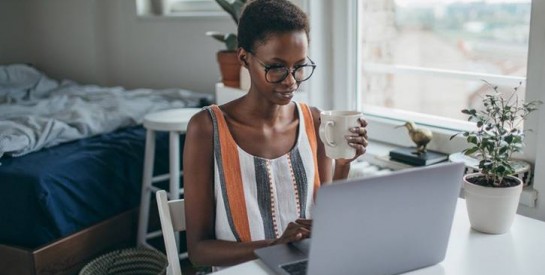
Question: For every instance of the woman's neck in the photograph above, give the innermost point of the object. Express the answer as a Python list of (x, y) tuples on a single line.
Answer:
[(261, 109)]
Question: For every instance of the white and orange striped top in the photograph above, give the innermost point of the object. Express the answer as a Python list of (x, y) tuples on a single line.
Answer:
[(255, 197)]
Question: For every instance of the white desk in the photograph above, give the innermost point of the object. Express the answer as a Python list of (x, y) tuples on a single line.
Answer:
[(521, 251)]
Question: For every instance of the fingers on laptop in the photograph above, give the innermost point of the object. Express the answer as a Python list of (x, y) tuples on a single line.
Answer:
[(307, 223), (298, 232), (294, 232)]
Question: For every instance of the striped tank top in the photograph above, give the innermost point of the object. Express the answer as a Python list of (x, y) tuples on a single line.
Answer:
[(256, 198)]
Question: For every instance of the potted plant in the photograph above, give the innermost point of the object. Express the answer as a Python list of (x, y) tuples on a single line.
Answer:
[(492, 195), (229, 64)]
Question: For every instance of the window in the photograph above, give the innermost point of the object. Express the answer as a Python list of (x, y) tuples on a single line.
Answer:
[(194, 6), (427, 59), (334, 49), (183, 8)]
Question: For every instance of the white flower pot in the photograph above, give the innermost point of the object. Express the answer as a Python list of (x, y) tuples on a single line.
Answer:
[(491, 209)]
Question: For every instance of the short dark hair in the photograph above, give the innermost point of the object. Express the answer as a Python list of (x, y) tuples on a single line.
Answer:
[(261, 18)]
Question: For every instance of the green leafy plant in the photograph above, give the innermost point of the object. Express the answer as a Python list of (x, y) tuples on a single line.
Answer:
[(233, 8), (498, 135)]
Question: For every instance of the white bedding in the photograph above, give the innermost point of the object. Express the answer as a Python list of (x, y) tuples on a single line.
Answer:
[(38, 112)]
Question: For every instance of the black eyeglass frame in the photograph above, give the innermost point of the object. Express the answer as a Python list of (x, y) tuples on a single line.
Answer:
[(288, 70)]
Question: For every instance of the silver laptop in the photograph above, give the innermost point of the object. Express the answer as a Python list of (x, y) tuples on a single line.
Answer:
[(381, 225)]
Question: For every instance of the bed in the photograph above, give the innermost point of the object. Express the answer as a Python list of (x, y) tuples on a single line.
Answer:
[(71, 165)]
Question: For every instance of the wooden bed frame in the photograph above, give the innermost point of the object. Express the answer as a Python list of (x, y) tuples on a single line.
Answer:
[(69, 254)]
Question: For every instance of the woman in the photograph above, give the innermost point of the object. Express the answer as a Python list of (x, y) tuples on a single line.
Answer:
[(253, 165)]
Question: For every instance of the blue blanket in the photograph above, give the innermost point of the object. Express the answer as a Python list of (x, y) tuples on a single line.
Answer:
[(59, 190)]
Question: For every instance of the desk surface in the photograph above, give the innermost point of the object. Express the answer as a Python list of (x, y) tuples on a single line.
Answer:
[(519, 251)]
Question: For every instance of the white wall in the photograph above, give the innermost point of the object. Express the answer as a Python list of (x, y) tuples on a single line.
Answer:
[(13, 32), (63, 38), (104, 42)]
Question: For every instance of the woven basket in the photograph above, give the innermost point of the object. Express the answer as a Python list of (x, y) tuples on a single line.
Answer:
[(128, 261)]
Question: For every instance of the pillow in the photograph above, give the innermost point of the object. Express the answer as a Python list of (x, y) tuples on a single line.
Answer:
[(22, 82)]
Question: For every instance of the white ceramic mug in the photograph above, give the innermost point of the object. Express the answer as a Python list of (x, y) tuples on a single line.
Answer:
[(334, 127)]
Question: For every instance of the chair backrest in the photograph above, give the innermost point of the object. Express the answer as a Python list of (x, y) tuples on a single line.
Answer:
[(172, 216)]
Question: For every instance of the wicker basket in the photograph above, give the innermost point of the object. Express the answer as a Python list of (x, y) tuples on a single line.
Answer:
[(128, 261)]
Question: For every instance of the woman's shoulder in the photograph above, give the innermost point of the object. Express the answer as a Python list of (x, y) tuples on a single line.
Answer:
[(201, 123), (315, 111)]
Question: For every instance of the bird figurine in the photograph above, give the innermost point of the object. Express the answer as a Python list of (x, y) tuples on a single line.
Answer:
[(420, 136)]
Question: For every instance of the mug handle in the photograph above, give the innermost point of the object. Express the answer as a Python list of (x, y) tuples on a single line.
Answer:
[(323, 133)]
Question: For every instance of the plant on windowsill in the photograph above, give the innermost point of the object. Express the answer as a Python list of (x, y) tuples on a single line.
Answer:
[(492, 195), (229, 65)]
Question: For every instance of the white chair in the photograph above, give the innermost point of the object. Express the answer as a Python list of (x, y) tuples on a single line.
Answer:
[(175, 122), (172, 216)]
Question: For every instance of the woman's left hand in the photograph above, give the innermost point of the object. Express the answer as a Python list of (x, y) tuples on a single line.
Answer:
[(357, 140)]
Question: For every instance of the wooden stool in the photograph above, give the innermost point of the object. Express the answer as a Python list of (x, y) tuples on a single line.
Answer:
[(175, 122)]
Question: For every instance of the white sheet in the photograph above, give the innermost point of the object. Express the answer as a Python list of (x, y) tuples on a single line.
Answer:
[(38, 112)]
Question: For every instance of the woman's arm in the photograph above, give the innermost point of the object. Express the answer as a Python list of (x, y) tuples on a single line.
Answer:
[(203, 247)]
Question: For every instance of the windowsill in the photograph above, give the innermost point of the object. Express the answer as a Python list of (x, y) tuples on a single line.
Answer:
[(377, 154), (385, 130)]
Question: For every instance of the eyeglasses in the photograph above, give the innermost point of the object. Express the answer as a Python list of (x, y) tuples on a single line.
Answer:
[(277, 73)]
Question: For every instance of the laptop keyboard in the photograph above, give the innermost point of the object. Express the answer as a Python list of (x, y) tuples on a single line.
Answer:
[(296, 268)]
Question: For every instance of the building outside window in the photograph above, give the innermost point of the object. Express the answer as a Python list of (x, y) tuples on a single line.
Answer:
[(430, 57)]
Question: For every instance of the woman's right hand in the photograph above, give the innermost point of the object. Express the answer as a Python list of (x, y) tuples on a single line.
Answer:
[(296, 231)]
